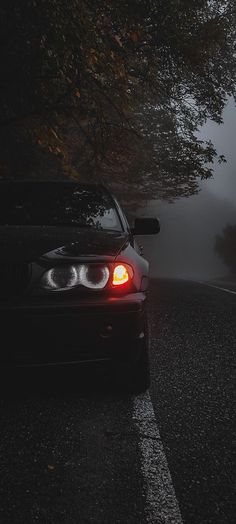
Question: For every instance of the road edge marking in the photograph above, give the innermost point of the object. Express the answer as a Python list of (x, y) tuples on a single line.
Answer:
[(217, 287), (161, 505)]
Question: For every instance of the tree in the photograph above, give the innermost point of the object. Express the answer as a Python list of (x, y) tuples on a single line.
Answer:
[(225, 246), (114, 90)]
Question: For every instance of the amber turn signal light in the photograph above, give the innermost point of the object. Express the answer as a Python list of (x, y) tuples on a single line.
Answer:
[(120, 275)]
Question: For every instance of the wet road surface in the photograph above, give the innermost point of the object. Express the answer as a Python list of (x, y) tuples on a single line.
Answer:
[(86, 453)]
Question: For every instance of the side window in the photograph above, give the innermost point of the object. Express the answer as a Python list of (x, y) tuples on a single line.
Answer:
[(123, 219), (110, 220)]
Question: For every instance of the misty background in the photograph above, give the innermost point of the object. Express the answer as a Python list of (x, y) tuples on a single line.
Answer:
[(185, 247)]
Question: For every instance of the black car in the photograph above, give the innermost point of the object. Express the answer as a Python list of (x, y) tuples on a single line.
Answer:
[(73, 284)]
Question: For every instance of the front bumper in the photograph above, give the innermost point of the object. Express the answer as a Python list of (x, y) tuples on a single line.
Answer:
[(89, 329)]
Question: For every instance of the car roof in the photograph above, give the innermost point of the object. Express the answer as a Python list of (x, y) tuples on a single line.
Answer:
[(44, 181), (95, 191), (89, 186)]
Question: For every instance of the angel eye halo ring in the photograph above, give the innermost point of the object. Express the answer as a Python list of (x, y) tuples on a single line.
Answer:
[(94, 276), (61, 278)]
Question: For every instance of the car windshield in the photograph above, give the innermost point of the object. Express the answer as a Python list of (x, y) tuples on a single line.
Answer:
[(57, 204)]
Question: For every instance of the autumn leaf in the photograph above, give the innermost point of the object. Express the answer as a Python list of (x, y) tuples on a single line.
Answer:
[(118, 40), (135, 36), (51, 467), (54, 133)]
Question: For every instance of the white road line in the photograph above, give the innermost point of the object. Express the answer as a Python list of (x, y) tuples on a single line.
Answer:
[(217, 287), (161, 505)]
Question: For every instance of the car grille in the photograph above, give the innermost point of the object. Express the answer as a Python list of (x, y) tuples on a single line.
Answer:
[(14, 279)]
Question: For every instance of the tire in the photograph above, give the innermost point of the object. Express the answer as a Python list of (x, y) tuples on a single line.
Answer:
[(139, 374), (134, 376)]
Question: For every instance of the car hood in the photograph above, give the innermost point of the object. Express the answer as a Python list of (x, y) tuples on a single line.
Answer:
[(30, 243)]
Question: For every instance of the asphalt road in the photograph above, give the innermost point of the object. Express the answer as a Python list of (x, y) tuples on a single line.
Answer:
[(193, 394), (74, 450)]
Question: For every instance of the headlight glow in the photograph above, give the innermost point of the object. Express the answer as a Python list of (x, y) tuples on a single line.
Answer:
[(92, 276), (57, 278), (121, 275)]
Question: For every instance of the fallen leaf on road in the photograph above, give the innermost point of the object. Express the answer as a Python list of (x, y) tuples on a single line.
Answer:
[(51, 467)]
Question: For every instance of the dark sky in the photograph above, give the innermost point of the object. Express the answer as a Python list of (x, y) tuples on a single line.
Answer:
[(185, 246)]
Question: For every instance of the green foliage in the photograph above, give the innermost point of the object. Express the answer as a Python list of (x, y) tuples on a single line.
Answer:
[(114, 89)]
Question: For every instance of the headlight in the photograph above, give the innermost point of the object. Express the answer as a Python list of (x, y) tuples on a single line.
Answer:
[(94, 277), (60, 278), (121, 274)]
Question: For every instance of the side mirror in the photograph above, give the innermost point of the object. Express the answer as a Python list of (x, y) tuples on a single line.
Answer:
[(146, 226)]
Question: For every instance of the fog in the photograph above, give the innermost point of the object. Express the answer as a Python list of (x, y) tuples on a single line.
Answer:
[(185, 247)]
